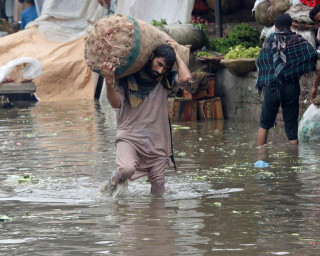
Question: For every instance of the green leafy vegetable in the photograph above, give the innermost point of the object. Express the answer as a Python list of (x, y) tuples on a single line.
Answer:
[(203, 54), (241, 52), (200, 26), (160, 23), (242, 34)]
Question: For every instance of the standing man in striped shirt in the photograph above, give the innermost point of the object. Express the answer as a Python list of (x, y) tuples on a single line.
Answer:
[(284, 57)]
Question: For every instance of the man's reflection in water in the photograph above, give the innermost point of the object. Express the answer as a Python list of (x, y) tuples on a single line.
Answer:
[(144, 228)]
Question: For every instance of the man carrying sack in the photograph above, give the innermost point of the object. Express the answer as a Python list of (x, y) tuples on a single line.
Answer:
[(143, 141)]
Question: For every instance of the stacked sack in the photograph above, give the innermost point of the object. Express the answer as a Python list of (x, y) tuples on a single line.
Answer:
[(267, 10)]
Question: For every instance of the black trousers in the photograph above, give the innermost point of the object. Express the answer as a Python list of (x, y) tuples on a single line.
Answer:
[(285, 95)]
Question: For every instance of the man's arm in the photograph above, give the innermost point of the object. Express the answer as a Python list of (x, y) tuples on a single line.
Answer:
[(184, 75), (314, 89), (107, 70)]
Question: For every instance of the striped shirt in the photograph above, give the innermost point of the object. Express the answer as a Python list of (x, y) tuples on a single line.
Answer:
[(284, 56)]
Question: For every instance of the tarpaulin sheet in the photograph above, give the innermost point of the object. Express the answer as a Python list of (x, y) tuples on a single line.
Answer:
[(66, 74)]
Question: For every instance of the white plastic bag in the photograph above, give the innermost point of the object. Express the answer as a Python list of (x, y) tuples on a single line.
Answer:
[(309, 125), (266, 32), (32, 69)]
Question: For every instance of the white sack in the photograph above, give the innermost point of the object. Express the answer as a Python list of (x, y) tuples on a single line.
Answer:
[(66, 20), (309, 125)]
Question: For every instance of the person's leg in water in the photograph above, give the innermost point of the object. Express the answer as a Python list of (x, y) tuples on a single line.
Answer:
[(127, 161), (262, 143), (290, 110), (262, 136), (156, 177), (269, 111)]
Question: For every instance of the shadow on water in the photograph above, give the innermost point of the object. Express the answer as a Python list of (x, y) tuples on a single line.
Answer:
[(54, 157)]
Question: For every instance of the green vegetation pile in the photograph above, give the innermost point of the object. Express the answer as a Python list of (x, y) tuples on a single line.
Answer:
[(242, 34), (241, 52), (203, 54)]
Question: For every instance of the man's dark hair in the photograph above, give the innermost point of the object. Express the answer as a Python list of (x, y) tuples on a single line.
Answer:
[(314, 11), (167, 52), (283, 22), (29, 2)]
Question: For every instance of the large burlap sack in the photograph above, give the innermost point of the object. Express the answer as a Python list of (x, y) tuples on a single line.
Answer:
[(186, 34), (279, 7), (126, 42), (263, 15), (309, 125), (300, 13)]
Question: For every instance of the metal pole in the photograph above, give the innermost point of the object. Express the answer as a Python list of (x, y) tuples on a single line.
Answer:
[(218, 19)]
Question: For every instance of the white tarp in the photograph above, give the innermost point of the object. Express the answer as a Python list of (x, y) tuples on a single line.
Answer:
[(173, 11), (65, 20), (57, 39)]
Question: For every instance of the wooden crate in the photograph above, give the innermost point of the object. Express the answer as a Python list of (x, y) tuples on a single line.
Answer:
[(201, 94), (17, 88), (210, 109), (182, 109)]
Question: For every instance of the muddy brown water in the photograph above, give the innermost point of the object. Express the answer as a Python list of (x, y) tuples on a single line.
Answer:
[(54, 157)]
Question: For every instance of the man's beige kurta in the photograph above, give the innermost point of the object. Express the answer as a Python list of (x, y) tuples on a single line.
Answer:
[(146, 128)]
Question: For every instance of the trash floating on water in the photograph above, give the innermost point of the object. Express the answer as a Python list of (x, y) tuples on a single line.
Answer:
[(5, 218), (218, 204), (179, 127), (261, 164)]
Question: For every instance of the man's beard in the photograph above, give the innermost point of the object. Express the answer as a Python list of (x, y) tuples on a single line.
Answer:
[(152, 73)]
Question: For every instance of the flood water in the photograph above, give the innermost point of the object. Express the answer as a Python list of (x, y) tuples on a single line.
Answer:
[(55, 156)]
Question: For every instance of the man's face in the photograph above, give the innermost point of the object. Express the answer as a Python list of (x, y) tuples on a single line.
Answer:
[(317, 19), (158, 67)]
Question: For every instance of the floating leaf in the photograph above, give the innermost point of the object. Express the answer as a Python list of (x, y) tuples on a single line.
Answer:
[(201, 177), (27, 179), (182, 154), (241, 213), (181, 128), (5, 218), (218, 204)]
